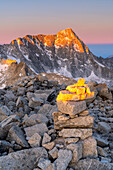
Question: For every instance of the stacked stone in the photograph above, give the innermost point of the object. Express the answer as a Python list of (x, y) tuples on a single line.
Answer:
[(74, 124)]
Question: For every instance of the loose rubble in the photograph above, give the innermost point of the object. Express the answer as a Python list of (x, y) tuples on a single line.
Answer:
[(38, 132)]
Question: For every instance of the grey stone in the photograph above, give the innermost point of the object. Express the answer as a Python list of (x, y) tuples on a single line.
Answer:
[(21, 91), (92, 164), (70, 107), (5, 146), (4, 130), (46, 138), (22, 160), (4, 112), (76, 150), (81, 133), (101, 151), (44, 163), (34, 119), (47, 110), (51, 167), (17, 135), (89, 147), (101, 142), (35, 140), (53, 153), (38, 128), (30, 95), (63, 160), (105, 160), (34, 102), (10, 96), (9, 119), (111, 145), (104, 127), (20, 102), (42, 95)]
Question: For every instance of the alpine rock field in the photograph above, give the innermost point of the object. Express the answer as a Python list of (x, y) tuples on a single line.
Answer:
[(48, 119)]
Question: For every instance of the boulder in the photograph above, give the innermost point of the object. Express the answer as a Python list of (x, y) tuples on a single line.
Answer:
[(38, 128), (10, 96), (35, 140), (9, 119), (103, 91), (22, 160), (4, 112), (21, 91), (53, 153), (89, 147), (70, 107), (44, 163), (34, 119), (4, 130), (17, 135), (46, 138), (101, 142), (76, 150), (34, 102), (92, 164), (104, 127), (101, 152), (20, 102), (5, 146), (47, 110), (63, 160)]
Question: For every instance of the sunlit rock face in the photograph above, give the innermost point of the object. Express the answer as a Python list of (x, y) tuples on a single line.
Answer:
[(64, 53), (64, 38), (11, 72)]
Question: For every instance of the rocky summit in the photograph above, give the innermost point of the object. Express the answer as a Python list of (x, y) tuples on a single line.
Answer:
[(63, 53), (37, 132)]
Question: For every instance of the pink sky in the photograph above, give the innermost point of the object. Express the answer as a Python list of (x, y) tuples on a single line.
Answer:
[(91, 21)]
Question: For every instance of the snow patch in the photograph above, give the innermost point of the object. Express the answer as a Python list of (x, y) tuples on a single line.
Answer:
[(2, 86), (37, 55), (27, 57), (13, 58), (3, 67), (59, 62), (32, 69), (63, 71), (99, 63)]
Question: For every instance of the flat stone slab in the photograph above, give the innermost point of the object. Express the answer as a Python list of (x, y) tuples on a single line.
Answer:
[(81, 133), (70, 107), (79, 122)]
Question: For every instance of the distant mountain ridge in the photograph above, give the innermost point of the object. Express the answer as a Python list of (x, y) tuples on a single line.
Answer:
[(110, 57), (64, 53)]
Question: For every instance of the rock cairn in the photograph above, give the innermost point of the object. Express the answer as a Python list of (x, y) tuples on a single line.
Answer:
[(30, 139), (74, 125)]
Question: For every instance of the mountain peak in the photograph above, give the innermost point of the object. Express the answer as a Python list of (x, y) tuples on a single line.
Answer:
[(64, 38), (65, 31)]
